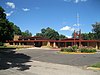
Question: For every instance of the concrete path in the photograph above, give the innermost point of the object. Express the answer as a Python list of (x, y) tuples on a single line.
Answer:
[(43, 68), (46, 62)]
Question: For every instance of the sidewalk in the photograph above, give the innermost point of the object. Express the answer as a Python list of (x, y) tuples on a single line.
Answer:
[(44, 48), (43, 68)]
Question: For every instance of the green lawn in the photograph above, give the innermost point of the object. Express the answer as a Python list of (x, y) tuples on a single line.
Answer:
[(96, 65), (5, 47)]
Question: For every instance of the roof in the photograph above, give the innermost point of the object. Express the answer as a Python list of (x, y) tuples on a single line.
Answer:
[(56, 41), (41, 39)]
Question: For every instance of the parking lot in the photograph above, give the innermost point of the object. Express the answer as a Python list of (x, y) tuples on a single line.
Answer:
[(46, 62), (53, 56)]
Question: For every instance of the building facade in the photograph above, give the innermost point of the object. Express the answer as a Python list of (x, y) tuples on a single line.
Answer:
[(42, 42)]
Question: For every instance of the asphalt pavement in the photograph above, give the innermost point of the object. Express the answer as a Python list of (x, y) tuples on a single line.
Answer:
[(53, 56), (46, 62)]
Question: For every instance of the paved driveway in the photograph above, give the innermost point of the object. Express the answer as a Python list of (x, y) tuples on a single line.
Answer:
[(67, 59), (46, 62)]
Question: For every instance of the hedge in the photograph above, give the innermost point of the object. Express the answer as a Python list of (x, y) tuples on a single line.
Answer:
[(87, 50)]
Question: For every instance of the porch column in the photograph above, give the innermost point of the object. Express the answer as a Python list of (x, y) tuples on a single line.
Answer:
[(22, 43), (65, 44), (19, 43), (14, 43), (87, 44), (54, 45), (48, 44), (96, 46), (80, 43), (33, 44)]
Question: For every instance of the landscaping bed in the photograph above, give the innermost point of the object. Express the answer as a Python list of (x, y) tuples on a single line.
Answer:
[(95, 66), (76, 50)]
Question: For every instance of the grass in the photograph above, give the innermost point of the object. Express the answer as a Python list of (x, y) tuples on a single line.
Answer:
[(4, 47), (96, 65)]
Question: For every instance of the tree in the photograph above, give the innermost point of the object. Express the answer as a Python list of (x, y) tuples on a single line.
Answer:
[(2, 14), (91, 36), (9, 29), (96, 30), (88, 36), (17, 30), (6, 29), (62, 37), (50, 33), (39, 34), (26, 33), (85, 36)]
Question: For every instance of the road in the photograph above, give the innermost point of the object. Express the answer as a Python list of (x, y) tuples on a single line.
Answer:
[(46, 62), (53, 56)]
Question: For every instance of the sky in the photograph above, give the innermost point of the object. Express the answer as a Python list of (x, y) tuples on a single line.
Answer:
[(64, 16)]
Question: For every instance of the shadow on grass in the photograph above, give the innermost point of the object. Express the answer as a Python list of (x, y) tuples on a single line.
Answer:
[(12, 60)]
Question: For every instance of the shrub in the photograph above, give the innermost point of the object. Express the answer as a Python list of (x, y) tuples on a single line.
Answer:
[(63, 49), (69, 49), (97, 65), (75, 48), (87, 50), (1, 44)]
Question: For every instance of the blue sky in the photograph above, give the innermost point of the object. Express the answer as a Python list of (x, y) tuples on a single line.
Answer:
[(33, 15)]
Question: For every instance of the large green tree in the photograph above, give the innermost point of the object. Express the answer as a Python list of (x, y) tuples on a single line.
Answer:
[(50, 33), (62, 37), (6, 29), (96, 30), (17, 30), (9, 29), (88, 36), (26, 33)]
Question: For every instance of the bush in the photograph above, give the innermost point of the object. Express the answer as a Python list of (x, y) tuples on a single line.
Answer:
[(87, 50), (1, 44), (75, 48), (69, 49), (63, 49), (97, 65)]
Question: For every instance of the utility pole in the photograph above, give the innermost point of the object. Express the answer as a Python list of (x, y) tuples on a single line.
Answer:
[(79, 30), (77, 33)]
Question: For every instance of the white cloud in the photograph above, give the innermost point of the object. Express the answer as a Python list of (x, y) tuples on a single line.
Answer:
[(10, 4), (83, 0), (67, 0), (9, 14), (75, 1), (68, 36), (68, 28), (76, 25), (25, 9)]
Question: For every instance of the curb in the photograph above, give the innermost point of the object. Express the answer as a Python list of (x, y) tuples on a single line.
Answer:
[(92, 68), (74, 53)]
